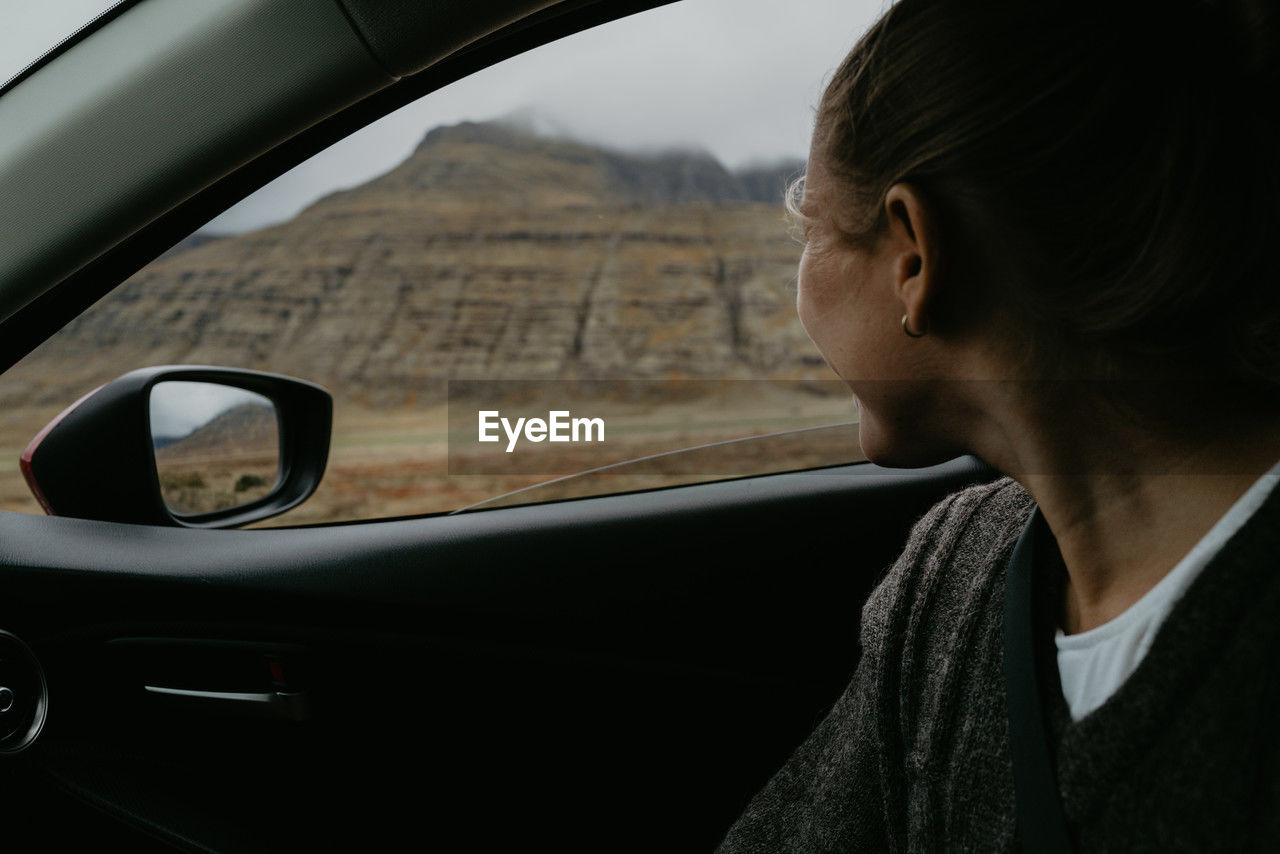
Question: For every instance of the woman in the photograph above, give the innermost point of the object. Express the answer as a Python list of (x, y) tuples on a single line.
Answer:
[(1042, 233)]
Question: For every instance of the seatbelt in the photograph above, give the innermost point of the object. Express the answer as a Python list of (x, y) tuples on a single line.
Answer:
[(1041, 824)]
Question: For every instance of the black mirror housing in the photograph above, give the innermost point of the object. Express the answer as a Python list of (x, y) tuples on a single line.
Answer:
[(96, 460)]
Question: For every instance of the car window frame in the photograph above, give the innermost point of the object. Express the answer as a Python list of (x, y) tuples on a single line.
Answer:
[(41, 319), (43, 316)]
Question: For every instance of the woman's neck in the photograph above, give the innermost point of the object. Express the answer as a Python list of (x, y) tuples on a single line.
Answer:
[(1124, 506), (1119, 537)]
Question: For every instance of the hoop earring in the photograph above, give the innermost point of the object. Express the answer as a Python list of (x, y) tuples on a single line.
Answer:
[(907, 329)]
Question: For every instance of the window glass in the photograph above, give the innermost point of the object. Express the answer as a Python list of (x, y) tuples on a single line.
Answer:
[(32, 29), (594, 228)]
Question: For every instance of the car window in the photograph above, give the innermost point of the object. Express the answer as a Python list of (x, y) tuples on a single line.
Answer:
[(577, 260), (33, 29)]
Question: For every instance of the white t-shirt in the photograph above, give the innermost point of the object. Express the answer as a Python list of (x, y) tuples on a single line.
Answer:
[(1095, 663)]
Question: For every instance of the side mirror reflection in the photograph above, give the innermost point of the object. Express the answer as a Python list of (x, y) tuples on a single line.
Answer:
[(216, 446), (191, 446)]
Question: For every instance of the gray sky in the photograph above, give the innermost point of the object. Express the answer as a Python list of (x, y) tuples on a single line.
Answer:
[(179, 407), (736, 77), (28, 29)]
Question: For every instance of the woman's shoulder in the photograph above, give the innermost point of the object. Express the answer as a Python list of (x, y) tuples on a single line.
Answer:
[(953, 557), (974, 514)]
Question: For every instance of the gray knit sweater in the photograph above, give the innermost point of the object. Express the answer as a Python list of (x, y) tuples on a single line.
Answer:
[(914, 756)]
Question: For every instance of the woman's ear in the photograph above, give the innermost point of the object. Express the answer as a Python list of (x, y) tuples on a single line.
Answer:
[(912, 243)]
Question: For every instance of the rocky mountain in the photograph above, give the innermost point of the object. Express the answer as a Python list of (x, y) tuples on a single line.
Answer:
[(247, 428), (191, 241), (491, 252)]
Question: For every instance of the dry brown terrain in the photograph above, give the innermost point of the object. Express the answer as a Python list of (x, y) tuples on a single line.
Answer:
[(231, 460), (489, 254)]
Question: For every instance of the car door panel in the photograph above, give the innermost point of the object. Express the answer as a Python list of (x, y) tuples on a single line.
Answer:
[(627, 668)]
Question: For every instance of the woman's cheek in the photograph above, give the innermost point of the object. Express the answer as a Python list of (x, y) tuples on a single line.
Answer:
[(802, 291), (817, 301)]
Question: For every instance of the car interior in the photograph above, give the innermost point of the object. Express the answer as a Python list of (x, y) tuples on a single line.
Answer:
[(618, 672)]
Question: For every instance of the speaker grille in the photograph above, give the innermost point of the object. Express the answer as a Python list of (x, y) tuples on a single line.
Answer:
[(24, 696)]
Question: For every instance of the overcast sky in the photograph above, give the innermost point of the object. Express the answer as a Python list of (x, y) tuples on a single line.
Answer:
[(179, 407), (738, 78), (29, 28)]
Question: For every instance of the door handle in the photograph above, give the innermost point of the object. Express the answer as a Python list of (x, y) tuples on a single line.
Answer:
[(284, 705)]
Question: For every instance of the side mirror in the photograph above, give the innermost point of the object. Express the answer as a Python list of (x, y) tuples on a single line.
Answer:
[(195, 447)]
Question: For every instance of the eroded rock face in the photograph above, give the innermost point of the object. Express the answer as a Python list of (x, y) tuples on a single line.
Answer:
[(489, 253)]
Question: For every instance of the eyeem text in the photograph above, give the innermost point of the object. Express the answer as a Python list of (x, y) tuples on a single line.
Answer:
[(558, 426)]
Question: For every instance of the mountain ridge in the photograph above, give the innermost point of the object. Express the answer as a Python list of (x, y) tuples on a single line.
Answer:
[(488, 253)]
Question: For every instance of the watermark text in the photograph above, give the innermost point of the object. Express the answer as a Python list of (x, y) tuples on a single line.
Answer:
[(558, 426)]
